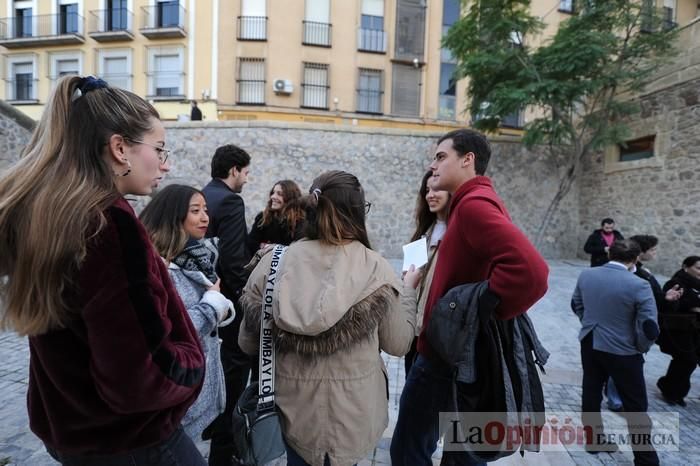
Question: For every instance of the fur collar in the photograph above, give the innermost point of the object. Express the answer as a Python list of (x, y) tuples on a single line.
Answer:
[(358, 324)]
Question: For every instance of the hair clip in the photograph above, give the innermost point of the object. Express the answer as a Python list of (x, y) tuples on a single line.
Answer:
[(76, 95), (316, 192)]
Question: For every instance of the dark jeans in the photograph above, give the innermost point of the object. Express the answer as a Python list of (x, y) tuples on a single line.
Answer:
[(676, 383), (237, 369), (628, 374), (425, 394), (410, 357), (178, 450)]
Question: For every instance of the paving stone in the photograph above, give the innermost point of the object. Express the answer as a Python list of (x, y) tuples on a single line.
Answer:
[(556, 325)]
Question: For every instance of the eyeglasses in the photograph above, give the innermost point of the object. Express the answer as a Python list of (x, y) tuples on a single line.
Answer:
[(163, 153), (368, 206)]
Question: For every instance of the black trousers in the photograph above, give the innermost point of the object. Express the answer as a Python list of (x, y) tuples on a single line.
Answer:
[(237, 369), (627, 372), (176, 450), (676, 383)]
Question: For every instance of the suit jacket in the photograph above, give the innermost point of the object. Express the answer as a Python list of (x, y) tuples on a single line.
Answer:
[(618, 308), (227, 222), (595, 246)]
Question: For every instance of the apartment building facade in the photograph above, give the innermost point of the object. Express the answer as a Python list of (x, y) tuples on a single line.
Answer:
[(361, 62)]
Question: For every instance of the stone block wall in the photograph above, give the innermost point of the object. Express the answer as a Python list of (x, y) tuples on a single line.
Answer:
[(388, 163), (661, 195), (15, 131)]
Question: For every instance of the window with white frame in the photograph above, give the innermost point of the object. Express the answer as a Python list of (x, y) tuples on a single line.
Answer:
[(317, 27), (371, 36), (114, 66), (69, 19), (251, 81), (669, 13), (370, 91), (64, 64), (23, 23), (566, 6), (168, 13), (252, 24), (314, 87), (21, 78), (166, 72)]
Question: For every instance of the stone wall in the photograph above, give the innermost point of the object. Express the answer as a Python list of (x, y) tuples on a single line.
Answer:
[(15, 130), (661, 195), (389, 164)]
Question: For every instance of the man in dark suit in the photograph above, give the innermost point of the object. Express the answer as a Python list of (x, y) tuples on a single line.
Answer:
[(229, 172), (599, 242), (618, 324)]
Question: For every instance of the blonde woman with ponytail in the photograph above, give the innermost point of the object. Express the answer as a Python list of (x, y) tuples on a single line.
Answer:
[(114, 359)]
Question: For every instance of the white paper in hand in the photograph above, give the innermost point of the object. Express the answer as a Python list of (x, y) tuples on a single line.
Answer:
[(415, 253)]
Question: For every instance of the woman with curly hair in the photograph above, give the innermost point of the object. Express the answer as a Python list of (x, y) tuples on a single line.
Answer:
[(281, 221)]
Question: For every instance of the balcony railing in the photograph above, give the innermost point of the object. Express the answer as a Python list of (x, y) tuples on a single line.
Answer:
[(166, 85), (163, 20), (317, 34), (252, 28), (371, 40), (369, 101), (36, 30), (110, 25), (21, 90)]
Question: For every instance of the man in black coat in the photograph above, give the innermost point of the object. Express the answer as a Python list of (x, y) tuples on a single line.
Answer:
[(599, 242), (229, 172), (196, 113)]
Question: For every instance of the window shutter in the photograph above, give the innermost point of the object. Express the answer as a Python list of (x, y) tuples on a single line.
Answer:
[(405, 88)]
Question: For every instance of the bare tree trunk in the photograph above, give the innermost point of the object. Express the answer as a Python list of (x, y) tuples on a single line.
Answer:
[(565, 185)]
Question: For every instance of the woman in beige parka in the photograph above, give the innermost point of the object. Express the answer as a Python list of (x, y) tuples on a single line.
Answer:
[(336, 306)]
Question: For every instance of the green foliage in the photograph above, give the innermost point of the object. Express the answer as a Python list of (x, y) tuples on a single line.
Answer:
[(573, 79)]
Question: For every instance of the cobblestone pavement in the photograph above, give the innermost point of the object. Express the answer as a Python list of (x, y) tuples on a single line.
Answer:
[(556, 326)]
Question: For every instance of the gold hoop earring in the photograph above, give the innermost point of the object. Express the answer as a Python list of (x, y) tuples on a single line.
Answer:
[(128, 169)]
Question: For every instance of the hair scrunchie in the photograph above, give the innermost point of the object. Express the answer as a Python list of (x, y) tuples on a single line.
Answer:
[(87, 84)]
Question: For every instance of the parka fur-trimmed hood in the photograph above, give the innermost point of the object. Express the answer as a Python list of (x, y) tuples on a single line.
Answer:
[(324, 298), (335, 309)]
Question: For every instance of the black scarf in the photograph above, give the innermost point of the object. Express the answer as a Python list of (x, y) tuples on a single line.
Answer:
[(197, 257)]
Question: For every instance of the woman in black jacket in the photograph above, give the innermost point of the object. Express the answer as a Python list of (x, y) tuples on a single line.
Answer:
[(680, 337), (282, 219)]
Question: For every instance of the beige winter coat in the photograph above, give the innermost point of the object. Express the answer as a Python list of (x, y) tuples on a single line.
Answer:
[(335, 307)]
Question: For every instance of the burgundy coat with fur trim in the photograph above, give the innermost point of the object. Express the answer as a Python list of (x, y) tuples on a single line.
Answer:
[(122, 374)]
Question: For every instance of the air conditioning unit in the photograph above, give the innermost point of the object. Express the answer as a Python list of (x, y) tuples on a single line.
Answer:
[(282, 86)]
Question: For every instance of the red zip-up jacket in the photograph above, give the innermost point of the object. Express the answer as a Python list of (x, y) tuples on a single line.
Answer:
[(482, 243), (123, 373)]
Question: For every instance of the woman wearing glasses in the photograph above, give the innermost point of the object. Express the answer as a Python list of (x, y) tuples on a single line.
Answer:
[(336, 306), (114, 359)]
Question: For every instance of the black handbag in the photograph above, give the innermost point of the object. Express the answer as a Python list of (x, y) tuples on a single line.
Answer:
[(256, 423)]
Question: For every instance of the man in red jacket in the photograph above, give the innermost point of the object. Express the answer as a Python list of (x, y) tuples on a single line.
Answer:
[(481, 243)]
